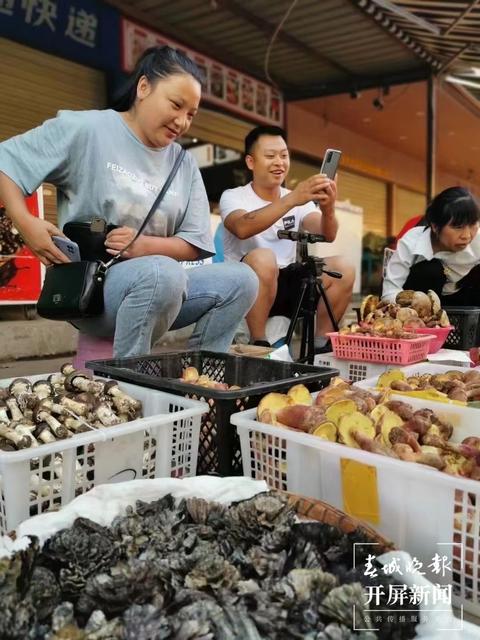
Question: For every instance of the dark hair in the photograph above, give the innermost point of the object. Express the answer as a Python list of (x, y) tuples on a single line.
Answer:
[(155, 63), (263, 130), (455, 206)]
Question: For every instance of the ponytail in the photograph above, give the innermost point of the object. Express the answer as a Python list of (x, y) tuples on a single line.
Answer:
[(155, 63)]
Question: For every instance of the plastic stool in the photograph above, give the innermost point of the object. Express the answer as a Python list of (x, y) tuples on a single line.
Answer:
[(92, 348)]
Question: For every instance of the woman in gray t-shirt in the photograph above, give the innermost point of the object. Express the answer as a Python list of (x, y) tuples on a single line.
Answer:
[(112, 164)]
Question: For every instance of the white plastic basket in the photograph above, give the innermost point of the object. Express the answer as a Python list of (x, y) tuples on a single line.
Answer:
[(412, 370), (351, 370), (164, 443), (419, 508)]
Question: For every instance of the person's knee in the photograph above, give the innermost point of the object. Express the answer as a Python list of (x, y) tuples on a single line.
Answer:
[(164, 273), (346, 268), (264, 263), (245, 280)]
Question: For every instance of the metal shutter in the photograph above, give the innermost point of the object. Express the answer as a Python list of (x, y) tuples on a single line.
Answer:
[(35, 85), (407, 205), (368, 193)]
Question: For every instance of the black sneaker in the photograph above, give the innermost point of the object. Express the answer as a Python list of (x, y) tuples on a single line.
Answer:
[(261, 343), (327, 348)]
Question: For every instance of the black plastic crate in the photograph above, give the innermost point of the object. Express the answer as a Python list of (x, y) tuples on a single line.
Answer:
[(219, 449), (466, 332)]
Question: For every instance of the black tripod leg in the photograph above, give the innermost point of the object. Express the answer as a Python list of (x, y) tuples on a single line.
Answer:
[(293, 321), (323, 296)]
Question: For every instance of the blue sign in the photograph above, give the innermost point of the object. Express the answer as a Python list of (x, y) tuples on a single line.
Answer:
[(85, 31)]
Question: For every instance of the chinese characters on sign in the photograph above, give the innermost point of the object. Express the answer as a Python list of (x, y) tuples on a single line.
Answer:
[(80, 25), (223, 86)]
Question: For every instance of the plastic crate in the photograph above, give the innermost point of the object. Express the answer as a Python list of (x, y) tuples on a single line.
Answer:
[(466, 327), (376, 349), (353, 371), (422, 510), (414, 370), (164, 443), (219, 447), (440, 336)]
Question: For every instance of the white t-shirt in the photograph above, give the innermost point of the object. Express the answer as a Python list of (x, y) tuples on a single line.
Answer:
[(246, 199), (416, 246)]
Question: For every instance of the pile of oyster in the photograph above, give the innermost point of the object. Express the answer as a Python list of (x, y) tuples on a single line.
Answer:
[(196, 570), (65, 403), (411, 310)]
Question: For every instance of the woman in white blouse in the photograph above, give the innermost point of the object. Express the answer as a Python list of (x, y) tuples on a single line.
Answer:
[(442, 254)]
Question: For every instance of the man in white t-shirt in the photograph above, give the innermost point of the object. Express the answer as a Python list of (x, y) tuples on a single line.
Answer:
[(253, 214)]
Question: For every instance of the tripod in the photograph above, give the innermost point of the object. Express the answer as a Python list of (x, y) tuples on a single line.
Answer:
[(311, 291)]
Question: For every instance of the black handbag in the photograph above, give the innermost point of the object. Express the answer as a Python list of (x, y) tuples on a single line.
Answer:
[(90, 237), (74, 290)]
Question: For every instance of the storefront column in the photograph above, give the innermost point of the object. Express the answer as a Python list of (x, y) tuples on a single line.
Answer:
[(431, 136)]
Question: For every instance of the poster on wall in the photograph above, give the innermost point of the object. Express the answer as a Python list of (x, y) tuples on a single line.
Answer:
[(21, 273), (225, 87)]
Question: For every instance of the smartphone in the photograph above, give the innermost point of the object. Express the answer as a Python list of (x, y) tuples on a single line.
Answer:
[(68, 247), (330, 163)]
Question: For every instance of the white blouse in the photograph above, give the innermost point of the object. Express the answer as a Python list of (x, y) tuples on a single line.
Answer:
[(416, 246)]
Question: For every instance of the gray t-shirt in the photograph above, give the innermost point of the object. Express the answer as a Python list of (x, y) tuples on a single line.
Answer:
[(101, 169)]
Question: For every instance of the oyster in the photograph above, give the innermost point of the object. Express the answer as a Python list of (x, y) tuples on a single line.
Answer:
[(192, 570)]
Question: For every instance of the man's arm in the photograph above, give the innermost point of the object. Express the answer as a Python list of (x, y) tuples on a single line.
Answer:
[(245, 224), (324, 223)]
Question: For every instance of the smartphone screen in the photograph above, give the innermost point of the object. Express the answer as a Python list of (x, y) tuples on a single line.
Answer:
[(330, 163)]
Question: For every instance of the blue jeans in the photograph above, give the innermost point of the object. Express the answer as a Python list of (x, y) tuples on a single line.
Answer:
[(145, 297)]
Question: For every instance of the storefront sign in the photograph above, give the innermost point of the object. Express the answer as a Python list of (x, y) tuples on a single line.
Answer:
[(222, 86), (82, 30), (20, 272)]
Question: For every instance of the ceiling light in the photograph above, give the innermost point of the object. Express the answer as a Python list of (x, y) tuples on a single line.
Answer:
[(366, 119), (462, 81)]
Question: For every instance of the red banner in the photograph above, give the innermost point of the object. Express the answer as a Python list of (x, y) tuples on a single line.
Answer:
[(20, 272), (222, 86)]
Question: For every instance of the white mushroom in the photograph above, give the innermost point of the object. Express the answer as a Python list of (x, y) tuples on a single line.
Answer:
[(25, 429), (105, 415), (78, 380), (21, 442), (41, 414), (18, 386), (44, 434), (14, 408), (121, 400), (42, 389)]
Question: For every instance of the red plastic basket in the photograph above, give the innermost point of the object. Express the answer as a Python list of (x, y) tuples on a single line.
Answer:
[(386, 350), (440, 334)]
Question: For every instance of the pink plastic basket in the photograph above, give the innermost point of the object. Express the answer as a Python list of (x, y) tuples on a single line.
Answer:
[(440, 334), (386, 350)]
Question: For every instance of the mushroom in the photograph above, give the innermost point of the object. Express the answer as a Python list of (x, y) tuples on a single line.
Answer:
[(78, 380), (122, 401), (44, 434), (25, 428), (6, 445), (56, 380), (21, 442), (19, 386), (434, 301), (14, 408), (78, 408), (3, 412), (42, 389), (404, 298), (103, 412), (41, 413), (422, 304), (67, 368), (76, 425)]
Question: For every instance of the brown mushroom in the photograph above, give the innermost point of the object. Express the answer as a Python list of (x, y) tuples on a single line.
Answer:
[(42, 389), (121, 399), (41, 413), (21, 442), (78, 380)]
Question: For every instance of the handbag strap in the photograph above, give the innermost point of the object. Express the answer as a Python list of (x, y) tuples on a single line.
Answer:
[(153, 208)]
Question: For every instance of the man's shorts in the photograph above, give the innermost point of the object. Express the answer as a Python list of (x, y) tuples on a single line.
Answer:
[(288, 292)]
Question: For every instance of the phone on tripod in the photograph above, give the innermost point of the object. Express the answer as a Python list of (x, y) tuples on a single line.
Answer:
[(330, 163)]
